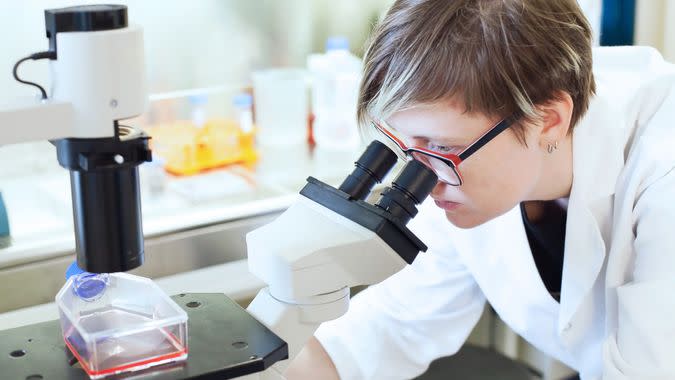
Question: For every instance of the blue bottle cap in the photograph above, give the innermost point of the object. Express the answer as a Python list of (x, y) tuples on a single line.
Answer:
[(242, 100), (88, 286), (72, 270), (337, 43), (198, 100)]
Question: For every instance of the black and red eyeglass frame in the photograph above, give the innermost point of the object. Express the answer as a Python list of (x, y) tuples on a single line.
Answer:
[(451, 160)]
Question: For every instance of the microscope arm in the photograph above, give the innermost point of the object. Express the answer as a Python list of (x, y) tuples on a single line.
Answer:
[(31, 119)]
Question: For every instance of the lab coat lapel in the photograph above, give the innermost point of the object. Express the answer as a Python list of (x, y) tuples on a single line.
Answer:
[(597, 159)]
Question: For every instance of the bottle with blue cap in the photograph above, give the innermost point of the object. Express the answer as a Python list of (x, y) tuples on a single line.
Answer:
[(243, 108), (198, 103), (154, 176), (337, 43), (336, 76)]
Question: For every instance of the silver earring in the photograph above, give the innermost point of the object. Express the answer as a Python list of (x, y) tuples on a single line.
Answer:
[(552, 147)]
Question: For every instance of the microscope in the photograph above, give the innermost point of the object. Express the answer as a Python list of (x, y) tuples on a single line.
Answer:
[(331, 239), (98, 74)]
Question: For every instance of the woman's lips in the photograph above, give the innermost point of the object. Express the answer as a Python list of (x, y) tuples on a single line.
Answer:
[(447, 205)]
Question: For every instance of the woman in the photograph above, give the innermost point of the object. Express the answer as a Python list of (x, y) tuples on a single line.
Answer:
[(555, 200)]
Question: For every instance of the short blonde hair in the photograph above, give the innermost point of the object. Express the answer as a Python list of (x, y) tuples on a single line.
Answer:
[(499, 57)]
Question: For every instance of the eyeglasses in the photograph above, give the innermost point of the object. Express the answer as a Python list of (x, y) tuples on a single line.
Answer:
[(445, 164)]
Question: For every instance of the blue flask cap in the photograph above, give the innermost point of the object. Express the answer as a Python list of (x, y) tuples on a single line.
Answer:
[(87, 286)]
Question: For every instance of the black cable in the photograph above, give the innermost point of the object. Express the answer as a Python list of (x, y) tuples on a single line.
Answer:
[(36, 56)]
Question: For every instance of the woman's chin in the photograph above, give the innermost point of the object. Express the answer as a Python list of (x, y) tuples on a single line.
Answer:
[(464, 220)]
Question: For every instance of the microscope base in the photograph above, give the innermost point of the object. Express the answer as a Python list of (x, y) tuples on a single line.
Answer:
[(224, 342)]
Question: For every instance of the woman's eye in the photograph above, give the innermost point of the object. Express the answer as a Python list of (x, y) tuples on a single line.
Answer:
[(442, 148)]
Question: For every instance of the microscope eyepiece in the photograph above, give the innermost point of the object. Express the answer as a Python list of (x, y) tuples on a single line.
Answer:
[(371, 168), (395, 207), (409, 189), (416, 180)]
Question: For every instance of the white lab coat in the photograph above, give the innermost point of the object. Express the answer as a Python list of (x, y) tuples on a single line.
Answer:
[(616, 317)]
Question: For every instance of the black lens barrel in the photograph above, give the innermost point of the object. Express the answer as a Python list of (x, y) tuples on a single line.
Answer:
[(106, 200), (107, 216), (371, 168), (413, 184)]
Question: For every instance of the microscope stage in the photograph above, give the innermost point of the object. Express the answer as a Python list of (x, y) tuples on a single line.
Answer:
[(224, 342)]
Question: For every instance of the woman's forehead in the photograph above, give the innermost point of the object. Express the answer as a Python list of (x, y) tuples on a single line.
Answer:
[(439, 121)]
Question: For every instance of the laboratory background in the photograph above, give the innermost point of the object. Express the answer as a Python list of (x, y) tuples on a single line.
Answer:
[(246, 100)]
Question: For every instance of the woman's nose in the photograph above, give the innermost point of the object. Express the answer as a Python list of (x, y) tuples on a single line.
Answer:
[(439, 189), (423, 159)]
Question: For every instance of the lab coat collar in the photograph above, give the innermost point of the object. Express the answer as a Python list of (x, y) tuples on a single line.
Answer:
[(598, 158), (598, 151)]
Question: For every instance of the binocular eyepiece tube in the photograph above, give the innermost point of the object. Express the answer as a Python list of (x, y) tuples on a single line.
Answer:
[(412, 185), (371, 168)]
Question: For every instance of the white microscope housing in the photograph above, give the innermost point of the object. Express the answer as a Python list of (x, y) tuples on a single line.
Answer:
[(331, 240), (98, 77)]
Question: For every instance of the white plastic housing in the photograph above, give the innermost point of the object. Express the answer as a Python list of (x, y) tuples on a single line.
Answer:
[(311, 250), (102, 74)]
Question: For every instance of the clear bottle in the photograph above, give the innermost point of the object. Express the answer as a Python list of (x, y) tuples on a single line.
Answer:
[(243, 110), (246, 130), (198, 104), (336, 76), (155, 175)]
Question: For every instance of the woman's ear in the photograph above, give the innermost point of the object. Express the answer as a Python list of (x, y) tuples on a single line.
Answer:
[(556, 116)]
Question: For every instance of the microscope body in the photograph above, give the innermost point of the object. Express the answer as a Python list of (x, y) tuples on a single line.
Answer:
[(310, 271), (330, 240)]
